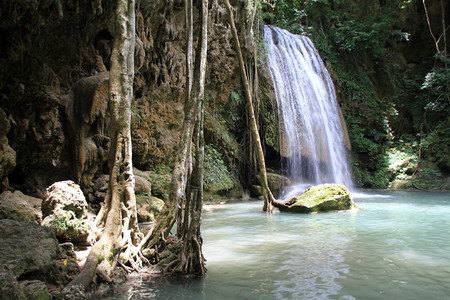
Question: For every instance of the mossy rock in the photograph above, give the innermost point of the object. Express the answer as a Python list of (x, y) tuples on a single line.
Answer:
[(148, 207), (68, 227), (400, 184), (319, 198)]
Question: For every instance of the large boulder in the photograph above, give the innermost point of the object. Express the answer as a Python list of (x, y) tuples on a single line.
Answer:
[(324, 197), (26, 247), (65, 210), (64, 195), (20, 207)]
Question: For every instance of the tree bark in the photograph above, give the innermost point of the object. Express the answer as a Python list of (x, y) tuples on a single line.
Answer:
[(118, 216), (267, 194), (190, 260)]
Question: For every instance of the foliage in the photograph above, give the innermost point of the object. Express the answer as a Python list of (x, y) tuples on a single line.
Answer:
[(383, 109), (160, 178), (437, 84), (436, 145), (217, 177), (66, 224), (429, 179)]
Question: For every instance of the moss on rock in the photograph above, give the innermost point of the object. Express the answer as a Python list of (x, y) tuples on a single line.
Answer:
[(324, 197)]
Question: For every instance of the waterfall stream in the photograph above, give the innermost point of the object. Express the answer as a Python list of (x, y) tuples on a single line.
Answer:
[(312, 137)]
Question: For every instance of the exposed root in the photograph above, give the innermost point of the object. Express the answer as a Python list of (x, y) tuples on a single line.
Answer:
[(127, 269)]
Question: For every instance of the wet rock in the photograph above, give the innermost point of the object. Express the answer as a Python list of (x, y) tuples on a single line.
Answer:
[(65, 210), (26, 247), (277, 182), (20, 207), (319, 198)]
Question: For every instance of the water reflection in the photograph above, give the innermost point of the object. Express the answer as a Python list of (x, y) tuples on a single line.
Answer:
[(395, 247)]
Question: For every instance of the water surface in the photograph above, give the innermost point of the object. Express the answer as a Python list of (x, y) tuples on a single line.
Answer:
[(396, 246)]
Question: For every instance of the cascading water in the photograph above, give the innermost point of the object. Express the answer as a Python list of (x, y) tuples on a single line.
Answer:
[(312, 138)]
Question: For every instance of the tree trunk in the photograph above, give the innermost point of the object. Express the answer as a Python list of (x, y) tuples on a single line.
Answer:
[(118, 215), (267, 194), (190, 260)]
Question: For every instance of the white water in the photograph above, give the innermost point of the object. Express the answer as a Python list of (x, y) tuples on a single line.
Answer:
[(312, 138)]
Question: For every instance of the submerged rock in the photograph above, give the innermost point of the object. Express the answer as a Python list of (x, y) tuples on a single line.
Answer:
[(324, 197)]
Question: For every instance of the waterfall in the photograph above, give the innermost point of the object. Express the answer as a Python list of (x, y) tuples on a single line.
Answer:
[(311, 138)]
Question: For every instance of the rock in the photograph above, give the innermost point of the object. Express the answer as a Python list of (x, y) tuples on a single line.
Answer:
[(68, 227), (7, 154), (324, 197), (277, 182), (101, 183), (65, 210), (255, 190), (86, 112), (142, 182), (160, 184), (35, 290), (148, 208), (9, 287), (398, 184), (20, 207), (26, 247), (96, 192), (64, 195)]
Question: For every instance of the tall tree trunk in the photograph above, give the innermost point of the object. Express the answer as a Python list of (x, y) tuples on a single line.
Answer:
[(191, 260), (267, 194), (118, 215)]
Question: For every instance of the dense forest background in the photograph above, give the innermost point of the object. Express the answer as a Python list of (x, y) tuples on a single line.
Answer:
[(389, 63), (388, 60)]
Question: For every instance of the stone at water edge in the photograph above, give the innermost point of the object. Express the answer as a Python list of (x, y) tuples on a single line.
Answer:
[(324, 197)]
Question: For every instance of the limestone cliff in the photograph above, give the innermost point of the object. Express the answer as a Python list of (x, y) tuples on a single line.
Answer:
[(53, 87)]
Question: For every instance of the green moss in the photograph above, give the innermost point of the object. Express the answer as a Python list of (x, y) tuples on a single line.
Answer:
[(66, 225), (217, 177), (325, 197), (429, 179), (160, 179)]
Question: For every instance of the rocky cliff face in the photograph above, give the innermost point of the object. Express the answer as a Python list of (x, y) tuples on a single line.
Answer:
[(53, 87)]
